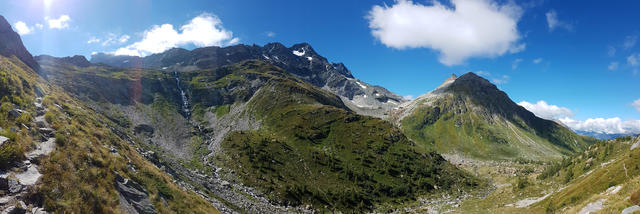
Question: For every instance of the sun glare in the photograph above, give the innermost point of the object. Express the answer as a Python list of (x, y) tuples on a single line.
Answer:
[(47, 3)]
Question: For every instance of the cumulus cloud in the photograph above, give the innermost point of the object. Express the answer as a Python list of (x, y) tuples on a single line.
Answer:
[(604, 125), (599, 125), (546, 111), (61, 22), (22, 28), (613, 66), (515, 64), (39, 26), (471, 28), (203, 30), (554, 22), (636, 104)]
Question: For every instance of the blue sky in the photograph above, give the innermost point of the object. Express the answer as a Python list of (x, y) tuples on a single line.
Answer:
[(579, 57)]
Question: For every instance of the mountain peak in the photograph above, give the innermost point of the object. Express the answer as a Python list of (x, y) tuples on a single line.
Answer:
[(471, 83), (304, 48), (4, 24), (11, 45)]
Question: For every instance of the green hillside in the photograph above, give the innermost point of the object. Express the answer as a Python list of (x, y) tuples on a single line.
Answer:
[(471, 117), (311, 151), (79, 175)]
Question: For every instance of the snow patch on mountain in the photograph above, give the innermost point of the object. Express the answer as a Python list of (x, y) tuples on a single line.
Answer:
[(298, 53)]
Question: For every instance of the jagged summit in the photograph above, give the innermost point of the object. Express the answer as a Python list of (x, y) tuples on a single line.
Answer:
[(11, 45)]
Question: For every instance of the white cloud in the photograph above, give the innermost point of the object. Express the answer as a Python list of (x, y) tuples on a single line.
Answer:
[(515, 64), (613, 66), (604, 125), (93, 40), (600, 125), (546, 111), (112, 39), (124, 38), (633, 59), (22, 28), (203, 30), (629, 42), (554, 22), (61, 22), (537, 60), (471, 28), (636, 104), (270, 34), (39, 26)]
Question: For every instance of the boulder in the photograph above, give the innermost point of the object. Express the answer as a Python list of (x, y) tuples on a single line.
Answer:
[(4, 183), (14, 210), (5, 200), (48, 132), (134, 194), (14, 186), (15, 113), (3, 139)]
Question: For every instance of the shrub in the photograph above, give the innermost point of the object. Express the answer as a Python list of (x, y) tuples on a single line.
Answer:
[(24, 118), (522, 182), (60, 139), (635, 197), (10, 152)]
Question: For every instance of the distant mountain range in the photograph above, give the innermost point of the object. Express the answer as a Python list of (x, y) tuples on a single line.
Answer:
[(301, 60), (602, 135)]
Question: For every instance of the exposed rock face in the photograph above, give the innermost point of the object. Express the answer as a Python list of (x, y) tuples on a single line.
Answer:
[(11, 45), (300, 60), (76, 60), (134, 195)]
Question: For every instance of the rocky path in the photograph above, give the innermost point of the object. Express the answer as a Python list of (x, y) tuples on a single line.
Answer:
[(16, 183)]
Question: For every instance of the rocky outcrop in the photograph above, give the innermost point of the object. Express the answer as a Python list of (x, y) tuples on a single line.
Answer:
[(132, 195), (11, 45)]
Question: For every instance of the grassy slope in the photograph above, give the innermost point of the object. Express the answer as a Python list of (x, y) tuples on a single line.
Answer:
[(588, 175), (79, 175), (456, 123), (312, 151)]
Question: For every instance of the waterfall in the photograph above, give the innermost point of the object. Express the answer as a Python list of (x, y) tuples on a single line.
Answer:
[(185, 102)]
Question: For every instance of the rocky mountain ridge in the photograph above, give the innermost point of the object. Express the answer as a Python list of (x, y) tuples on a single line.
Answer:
[(11, 45), (300, 60)]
